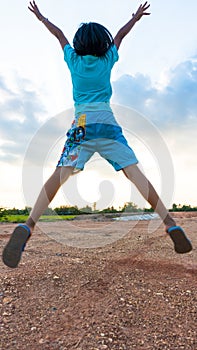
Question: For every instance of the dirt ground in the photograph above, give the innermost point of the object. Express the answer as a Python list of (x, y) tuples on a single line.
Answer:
[(81, 287)]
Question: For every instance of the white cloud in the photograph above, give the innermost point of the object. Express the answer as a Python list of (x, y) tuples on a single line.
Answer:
[(169, 106), (20, 106)]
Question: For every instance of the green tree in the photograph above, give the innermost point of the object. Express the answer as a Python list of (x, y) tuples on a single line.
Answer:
[(87, 209), (66, 210), (109, 210), (3, 214), (130, 207)]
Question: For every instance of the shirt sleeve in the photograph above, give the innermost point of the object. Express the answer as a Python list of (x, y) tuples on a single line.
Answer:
[(69, 55), (112, 55)]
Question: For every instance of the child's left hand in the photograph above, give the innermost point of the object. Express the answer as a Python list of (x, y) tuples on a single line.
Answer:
[(141, 11), (34, 8)]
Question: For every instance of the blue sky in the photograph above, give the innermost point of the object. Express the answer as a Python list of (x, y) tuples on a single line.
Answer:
[(156, 75)]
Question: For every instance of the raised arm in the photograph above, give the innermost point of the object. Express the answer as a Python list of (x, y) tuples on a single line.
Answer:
[(128, 26), (50, 26)]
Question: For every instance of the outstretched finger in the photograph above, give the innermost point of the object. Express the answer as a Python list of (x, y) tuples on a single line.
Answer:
[(31, 6), (35, 5), (145, 6)]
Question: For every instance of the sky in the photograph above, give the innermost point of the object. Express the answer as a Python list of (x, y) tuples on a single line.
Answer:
[(154, 94)]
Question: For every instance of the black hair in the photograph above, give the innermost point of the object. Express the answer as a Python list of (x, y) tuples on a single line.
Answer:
[(92, 39)]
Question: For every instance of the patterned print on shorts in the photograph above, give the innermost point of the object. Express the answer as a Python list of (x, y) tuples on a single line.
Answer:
[(75, 136)]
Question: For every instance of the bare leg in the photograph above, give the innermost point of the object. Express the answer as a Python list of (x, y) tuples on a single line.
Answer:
[(134, 174), (49, 190), (13, 250)]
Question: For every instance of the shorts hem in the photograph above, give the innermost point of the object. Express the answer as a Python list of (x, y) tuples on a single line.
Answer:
[(121, 167)]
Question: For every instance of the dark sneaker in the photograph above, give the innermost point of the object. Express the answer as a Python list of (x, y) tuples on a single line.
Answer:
[(181, 243), (16, 245)]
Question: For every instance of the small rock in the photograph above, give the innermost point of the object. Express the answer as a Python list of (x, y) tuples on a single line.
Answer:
[(41, 341), (6, 314), (56, 277), (7, 300), (53, 308)]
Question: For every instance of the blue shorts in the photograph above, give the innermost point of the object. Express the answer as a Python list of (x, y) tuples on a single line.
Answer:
[(96, 131)]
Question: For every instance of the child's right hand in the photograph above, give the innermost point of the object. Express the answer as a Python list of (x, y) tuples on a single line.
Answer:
[(34, 8)]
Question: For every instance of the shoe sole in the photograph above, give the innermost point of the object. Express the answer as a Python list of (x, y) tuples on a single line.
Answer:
[(181, 243), (13, 250)]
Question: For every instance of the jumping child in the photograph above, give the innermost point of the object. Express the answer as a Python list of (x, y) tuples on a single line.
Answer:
[(94, 129)]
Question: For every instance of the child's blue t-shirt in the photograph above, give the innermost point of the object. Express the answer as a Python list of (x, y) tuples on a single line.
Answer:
[(90, 75)]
